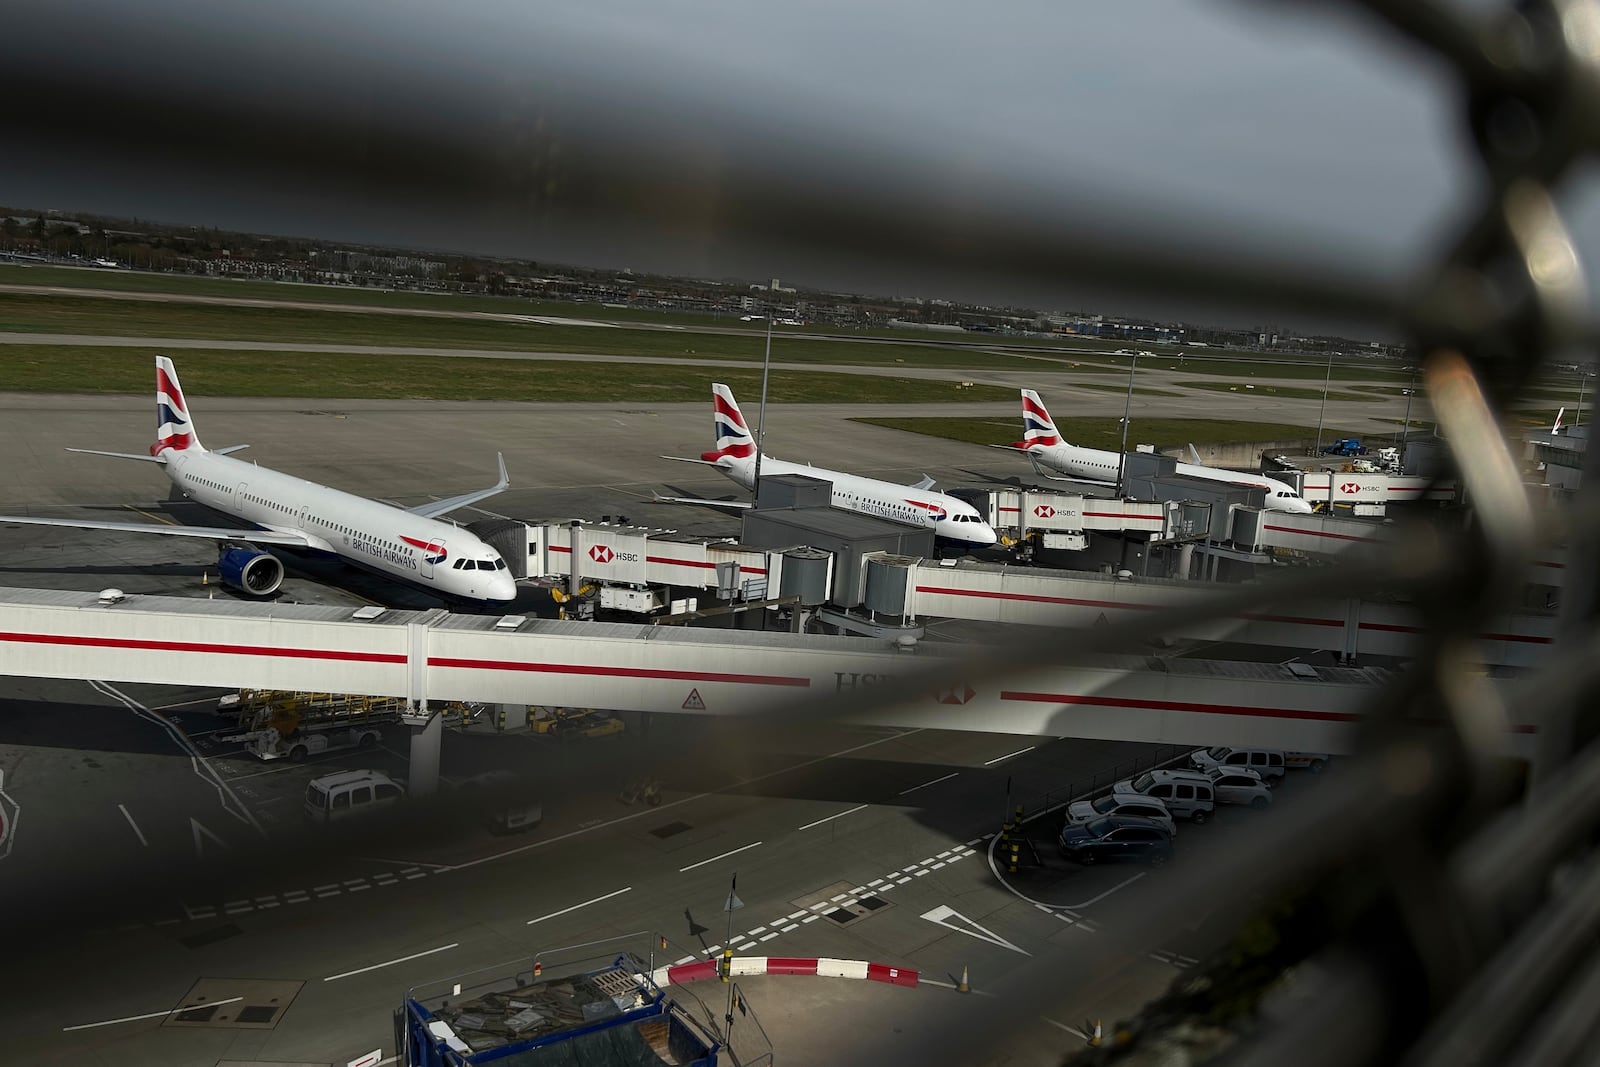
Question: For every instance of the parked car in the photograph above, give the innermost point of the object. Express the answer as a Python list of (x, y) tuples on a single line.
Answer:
[(1186, 794), (1315, 762), (350, 795), (1267, 762), (1113, 838), (1122, 804), (1239, 785)]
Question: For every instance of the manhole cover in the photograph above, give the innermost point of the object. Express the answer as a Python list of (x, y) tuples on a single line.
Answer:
[(670, 829), (839, 904), (234, 1004)]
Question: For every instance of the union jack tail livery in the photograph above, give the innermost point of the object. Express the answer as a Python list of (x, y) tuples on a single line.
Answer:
[(174, 430), (732, 432), (1038, 431)]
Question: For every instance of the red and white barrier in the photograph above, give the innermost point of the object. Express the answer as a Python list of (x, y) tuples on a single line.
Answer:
[(703, 970)]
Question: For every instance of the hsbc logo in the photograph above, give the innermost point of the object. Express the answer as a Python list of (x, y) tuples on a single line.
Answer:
[(1044, 511), (1349, 488), (601, 553)]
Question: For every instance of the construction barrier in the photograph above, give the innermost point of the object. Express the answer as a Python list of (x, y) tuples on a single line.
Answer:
[(704, 970)]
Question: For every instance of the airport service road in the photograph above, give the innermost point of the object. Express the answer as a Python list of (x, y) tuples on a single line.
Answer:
[(887, 814)]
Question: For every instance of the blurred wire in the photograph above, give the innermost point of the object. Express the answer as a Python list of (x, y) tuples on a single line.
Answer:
[(1418, 827)]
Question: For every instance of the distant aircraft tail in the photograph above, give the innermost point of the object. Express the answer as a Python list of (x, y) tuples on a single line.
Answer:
[(1038, 431), (732, 432), (174, 429), (1556, 428)]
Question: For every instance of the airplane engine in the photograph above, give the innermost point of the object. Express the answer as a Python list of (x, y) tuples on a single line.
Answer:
[(250, 570)]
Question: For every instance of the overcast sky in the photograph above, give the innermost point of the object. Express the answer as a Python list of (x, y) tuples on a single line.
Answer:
[(647, 133)]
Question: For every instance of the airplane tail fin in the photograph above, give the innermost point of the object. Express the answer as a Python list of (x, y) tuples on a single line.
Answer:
[(732, 432), (174, 429), (1038, 431), (1556, 427)]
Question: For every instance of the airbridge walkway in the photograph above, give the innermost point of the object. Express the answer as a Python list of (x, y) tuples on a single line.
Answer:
[(438, 656)]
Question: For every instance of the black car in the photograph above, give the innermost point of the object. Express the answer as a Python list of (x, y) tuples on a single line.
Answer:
[(1116, 837)]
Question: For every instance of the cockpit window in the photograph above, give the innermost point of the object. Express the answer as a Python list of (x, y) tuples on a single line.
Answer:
[(499, 564)]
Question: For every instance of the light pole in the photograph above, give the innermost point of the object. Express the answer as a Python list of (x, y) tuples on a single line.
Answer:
[(1577, 415), (1127, 409), (1405, 425), (761, 412), (1325, 380)]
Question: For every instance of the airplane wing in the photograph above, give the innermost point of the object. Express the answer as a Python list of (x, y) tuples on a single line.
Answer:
[(214, 533), (731, 505), (439, 507), (926, 483)]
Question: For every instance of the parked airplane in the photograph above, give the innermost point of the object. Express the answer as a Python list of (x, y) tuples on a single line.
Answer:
[(1042, 443), (405, 543), (911, 505)]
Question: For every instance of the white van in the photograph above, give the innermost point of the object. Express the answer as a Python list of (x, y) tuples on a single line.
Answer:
[(1267, 762), (1186, 794), (350, 795)]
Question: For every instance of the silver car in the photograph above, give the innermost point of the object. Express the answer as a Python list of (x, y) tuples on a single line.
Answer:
[(1239, 785), (1081, 811)]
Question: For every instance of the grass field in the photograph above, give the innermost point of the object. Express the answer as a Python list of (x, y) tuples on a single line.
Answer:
[(85, 315), (1286, 392), (65, 369), (1107, 433)]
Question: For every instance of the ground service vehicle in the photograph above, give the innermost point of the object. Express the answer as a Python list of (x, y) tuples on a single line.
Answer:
[(1345, 446), (350, 795), (1113, 838)]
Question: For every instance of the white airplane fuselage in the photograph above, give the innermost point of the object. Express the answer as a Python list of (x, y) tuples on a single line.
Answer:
[(947, 516), (436, 555), (1101, 464)]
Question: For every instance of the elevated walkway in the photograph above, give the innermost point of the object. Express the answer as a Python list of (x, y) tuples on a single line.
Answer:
[(1033, 596), (437, 656)]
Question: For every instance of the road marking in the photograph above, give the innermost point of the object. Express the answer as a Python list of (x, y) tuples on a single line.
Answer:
[(199, 830), (830, 818), (791, 926), (391, 963), (1107, 893), (724, 856), (925, 785), (137, 832), (196, 761), (1008, 755), (149, 1015), (648, 813), (770, 936), (575, 907), (942, 915)]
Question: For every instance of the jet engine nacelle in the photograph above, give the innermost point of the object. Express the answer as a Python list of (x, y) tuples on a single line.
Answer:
[(250, 570)]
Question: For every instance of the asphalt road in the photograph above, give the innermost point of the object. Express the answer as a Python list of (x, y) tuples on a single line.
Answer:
[(802, 816)]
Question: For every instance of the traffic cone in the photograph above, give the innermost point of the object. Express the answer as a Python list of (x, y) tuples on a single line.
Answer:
[(964, 986), (1095, 1040)]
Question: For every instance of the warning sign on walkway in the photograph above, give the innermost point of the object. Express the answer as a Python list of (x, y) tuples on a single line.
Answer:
[(692, 702)]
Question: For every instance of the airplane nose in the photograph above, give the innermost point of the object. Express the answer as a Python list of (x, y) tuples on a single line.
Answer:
[(504, 587)]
